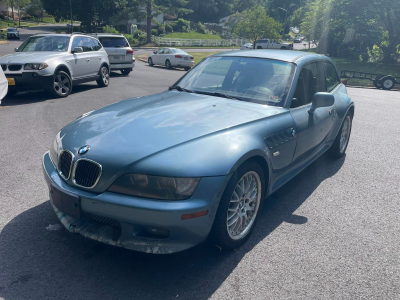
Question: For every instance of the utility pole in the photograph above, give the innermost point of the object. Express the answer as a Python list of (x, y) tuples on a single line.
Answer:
[(72, 24), (284, 23)]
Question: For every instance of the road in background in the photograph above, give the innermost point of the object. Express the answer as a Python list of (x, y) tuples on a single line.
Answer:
[(331, 233)]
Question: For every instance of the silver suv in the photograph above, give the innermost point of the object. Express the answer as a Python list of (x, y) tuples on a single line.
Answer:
[(56, 62), (119, 51)]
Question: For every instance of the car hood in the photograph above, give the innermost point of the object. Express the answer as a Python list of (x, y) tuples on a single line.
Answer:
[(30, 57), (126, 132)]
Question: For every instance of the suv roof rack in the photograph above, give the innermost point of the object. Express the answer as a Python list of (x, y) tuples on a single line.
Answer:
[(105, 33), (84, 33)]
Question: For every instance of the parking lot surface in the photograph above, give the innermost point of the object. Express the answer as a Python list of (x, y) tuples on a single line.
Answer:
[(331, 233)]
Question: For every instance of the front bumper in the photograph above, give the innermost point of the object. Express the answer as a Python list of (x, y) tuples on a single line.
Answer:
[(30, 81), (138, 215), (122, 66)]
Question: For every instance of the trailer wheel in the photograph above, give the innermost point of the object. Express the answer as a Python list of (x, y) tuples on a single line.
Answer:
[(377, 84), (388, 82)]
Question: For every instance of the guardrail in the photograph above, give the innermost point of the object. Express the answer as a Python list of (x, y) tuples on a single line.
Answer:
[(200, 42)]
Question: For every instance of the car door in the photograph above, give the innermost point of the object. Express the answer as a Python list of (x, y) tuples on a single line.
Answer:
[(91, 57), (97, 57), (158, 56), (81, 61), (312, 129), (167, 56)]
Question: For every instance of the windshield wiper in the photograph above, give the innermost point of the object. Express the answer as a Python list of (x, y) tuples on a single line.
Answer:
[(181, 89), (219, 94)]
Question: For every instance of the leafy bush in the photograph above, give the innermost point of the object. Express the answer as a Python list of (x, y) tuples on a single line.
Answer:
[(161, 29), (181, 25), (142, 38), (201, 28), (109, 29), (130, 39), (375, 54), (169, 28), (154, 32), (137, 33)]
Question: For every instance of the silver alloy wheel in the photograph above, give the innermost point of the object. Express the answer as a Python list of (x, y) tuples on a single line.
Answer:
[(388, 83), (344, 137), (106, 75), (62, 85), (243, 206)]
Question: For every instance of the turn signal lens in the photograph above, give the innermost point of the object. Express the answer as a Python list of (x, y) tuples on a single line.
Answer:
[(195, 215), (43, 66)]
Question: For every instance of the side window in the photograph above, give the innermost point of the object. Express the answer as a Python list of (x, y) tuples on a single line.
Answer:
[(332, 79), (166, 51), (96, 45), (308, 84), (87, 44), (161, 51), (76, 43)]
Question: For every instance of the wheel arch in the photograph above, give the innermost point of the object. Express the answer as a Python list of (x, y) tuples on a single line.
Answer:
[(102, 65), (63, 68)]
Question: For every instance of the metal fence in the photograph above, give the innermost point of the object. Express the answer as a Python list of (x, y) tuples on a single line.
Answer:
[(199, 42)]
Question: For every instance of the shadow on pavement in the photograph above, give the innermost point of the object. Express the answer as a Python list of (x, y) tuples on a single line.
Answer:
[(31, 97), (36, 263)]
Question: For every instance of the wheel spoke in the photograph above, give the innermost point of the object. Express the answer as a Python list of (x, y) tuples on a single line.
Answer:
[(233, 221)]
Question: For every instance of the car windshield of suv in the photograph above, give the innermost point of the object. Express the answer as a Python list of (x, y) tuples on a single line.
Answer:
[(113, 42), (258, 80), (45, 43), (12, 30)]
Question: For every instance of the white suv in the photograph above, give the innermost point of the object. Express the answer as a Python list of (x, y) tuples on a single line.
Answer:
[(273, 44), (119, 51), (56, 62)]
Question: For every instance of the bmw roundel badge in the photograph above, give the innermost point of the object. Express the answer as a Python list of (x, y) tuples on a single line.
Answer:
[(83, 150)]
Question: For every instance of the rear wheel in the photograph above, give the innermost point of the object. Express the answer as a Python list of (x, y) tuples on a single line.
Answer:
[(341, 142), (125, 72), (150, 61), (104, 79), (62, 85), (187, 69), (377, 84), (259, 47), (239, 207), (168, 64), (283, 48), (388, 82)]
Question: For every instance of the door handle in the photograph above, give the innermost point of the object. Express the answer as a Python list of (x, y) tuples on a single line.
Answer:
[(331, 111), (88, 60)]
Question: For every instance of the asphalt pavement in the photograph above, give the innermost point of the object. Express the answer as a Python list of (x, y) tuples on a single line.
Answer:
[(330, 233)]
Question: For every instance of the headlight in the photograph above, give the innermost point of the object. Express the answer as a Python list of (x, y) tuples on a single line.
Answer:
[(41, 66), (55, 149), (155, 187)]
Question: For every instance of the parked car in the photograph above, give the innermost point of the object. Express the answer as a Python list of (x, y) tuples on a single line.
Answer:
[(171, 57), (12, 33), (247, 46), (163, 173), (298, 39), (3, 85), (273, 44), (56, 62), (119, 52)]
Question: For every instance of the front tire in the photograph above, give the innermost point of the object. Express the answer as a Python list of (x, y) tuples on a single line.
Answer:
[(388, 82), (239, 207), (187, 69), (104, 79), (259, 47), (283, 48), (339, 146), (62, 85), (125, 72), (150, 61)]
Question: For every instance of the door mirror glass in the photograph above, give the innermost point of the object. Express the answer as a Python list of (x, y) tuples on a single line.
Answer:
[(77, 50), (155, 52), (321, 100), (16, 49)]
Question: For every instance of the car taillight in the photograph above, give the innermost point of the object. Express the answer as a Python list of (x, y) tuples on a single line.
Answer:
[(178, 56), (130, 51), (191, 57)]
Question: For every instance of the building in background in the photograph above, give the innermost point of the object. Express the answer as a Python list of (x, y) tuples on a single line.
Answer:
[(6, 10)]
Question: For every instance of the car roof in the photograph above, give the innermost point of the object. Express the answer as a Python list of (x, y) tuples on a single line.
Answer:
[(282, 55)]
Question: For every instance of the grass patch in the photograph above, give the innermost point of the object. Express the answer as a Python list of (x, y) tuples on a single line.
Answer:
[(198, 56), (192, 35)]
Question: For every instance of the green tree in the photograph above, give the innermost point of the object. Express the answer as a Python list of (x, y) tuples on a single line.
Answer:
[(36, 9), (255, 24), (20, 4), (12, 4)]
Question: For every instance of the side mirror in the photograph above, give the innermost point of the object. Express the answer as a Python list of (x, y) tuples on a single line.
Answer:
[(15, 49), (77, 50), (155, 52), (321, 100)]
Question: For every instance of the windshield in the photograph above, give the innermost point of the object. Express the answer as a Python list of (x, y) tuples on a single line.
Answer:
[(257, 80), (178, 51), (114, 42), (12, 30), (45, 43)]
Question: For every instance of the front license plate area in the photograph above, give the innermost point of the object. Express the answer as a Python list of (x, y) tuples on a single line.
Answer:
[(11, 81), (66, 202)]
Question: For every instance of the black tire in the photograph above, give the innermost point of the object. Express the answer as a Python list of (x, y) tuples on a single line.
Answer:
[(388, 82), (150, 61), (283, 48), (125, 72), (377, 84), (219, 232), (168, 64), (187, 69), (62, 85), (104, 79), (337, 150), (259, 47)]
